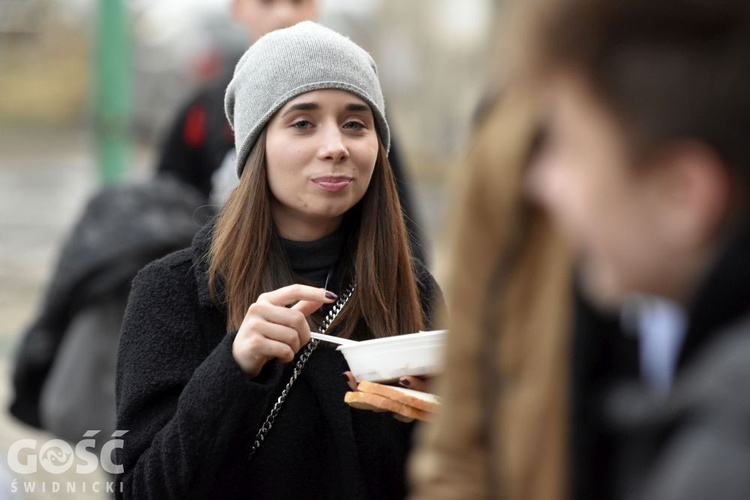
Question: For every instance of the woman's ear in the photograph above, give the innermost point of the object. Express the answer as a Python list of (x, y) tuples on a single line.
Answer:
[(696, 191)]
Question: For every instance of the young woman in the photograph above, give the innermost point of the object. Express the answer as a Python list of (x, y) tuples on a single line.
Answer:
[(213, 333)]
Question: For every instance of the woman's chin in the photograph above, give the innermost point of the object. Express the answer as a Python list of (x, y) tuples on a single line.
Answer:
[(330, 211)]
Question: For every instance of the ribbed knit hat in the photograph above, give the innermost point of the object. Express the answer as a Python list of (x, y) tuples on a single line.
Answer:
[(288, 62)]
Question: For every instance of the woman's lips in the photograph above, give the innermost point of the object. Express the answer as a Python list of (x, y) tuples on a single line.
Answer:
[(332, 183)]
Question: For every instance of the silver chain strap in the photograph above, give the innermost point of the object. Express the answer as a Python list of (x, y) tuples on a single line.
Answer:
[(309, 348)]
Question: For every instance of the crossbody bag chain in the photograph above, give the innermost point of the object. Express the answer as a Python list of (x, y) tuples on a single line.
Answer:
[(309, 348)]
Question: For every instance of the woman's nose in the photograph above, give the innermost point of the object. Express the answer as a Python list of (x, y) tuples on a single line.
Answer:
[(332, 146)]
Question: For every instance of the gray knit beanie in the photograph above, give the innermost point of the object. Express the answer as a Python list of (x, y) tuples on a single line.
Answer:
[(286, 63)]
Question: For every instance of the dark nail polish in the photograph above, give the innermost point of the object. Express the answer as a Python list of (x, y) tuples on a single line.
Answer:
[(331, 296), (405, 382), (346, 379)]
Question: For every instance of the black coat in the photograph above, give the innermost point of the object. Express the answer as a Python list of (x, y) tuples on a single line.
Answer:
[(191, 413), (693, 443)]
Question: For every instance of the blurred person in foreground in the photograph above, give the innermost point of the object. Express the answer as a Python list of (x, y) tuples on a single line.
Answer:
[(646, 167), (199, 146), (502, 428), (525, 370)]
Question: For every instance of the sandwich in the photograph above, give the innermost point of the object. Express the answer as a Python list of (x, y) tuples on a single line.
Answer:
[(405, 402)]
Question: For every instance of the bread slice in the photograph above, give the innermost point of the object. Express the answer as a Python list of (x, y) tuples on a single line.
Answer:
[(374, 402), (421, 400)]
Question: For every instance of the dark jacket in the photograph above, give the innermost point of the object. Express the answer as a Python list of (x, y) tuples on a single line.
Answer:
[(191, 413), (693, 443), (122, 229), (199, 138)]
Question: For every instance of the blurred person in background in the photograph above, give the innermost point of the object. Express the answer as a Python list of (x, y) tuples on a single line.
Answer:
[(200, 139), (199, 146), (646, 168), (64, 370), (208, 342)]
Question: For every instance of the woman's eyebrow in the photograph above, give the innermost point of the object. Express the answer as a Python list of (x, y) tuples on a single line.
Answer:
[(302, 106), (310, 106), (357, 107)]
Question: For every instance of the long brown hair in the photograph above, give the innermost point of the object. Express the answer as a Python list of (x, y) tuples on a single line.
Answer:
[(247, 259), (521, 287), (502, 429)]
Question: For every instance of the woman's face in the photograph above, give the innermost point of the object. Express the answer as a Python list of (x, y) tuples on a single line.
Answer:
[(321, 149)]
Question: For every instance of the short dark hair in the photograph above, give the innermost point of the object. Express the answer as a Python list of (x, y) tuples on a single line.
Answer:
[(668, 69)]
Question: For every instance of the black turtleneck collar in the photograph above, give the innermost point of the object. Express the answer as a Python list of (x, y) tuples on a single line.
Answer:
[(309, 260), (723, 298), (313, 260)]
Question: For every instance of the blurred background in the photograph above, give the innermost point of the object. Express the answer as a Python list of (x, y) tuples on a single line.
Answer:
[(89, 87)]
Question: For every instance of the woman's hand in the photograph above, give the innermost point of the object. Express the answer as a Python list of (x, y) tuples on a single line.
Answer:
[(421, 384), (272, 330)]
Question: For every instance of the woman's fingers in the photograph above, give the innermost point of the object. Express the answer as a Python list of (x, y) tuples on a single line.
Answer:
[(307, 307), (268, 332), (267, 312), (350, 380), (252, 352), (272, 330), (292, 294), (416, 383), (280, 333)]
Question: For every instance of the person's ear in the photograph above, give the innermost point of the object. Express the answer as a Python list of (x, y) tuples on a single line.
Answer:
[(696, 188)]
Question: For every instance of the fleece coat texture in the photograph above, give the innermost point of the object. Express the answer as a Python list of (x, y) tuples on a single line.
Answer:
[(191, 413)]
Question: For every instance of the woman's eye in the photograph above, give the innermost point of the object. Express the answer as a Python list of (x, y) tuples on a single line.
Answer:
[(353, 125), (302, 124)]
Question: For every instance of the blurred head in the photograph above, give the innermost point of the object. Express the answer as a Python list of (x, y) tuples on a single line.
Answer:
[(260, 17), (645, 164)]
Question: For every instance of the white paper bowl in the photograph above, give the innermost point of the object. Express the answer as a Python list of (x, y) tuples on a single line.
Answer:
[(387, 359)]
